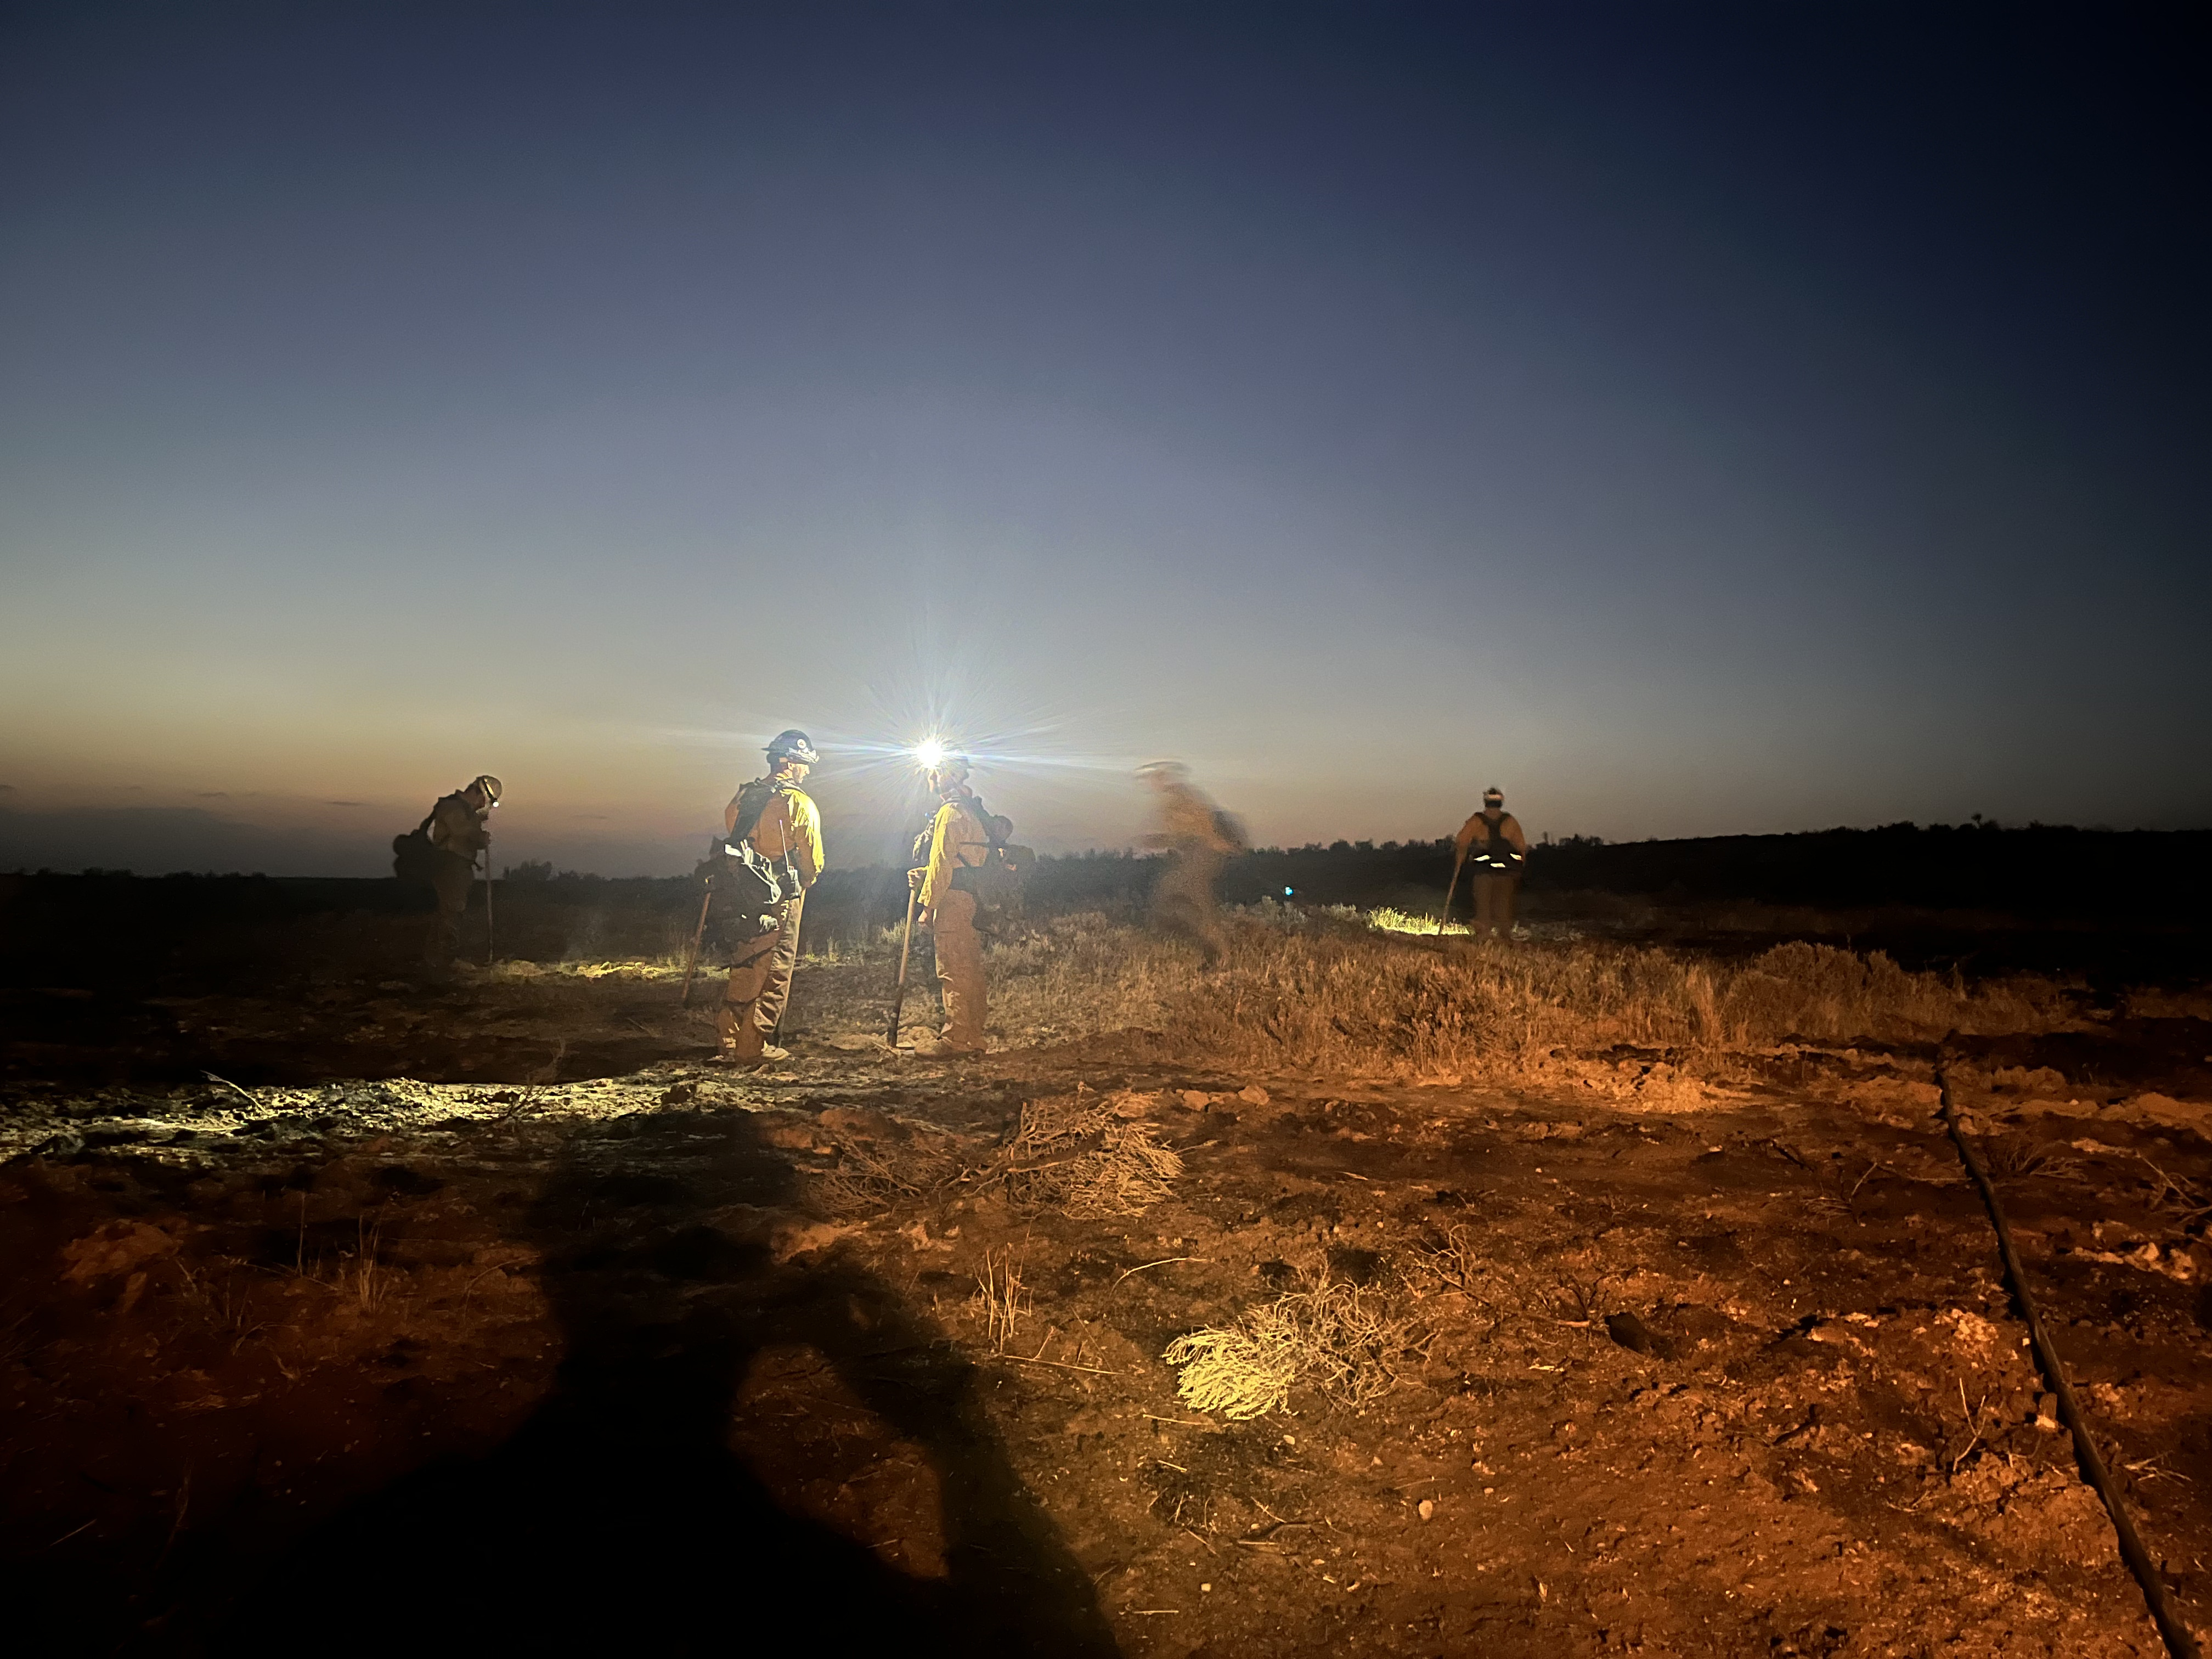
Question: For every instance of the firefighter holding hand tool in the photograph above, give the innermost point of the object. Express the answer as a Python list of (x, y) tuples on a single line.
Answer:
[(776, 848), (441, 853), (1491, 843), (958, 841)]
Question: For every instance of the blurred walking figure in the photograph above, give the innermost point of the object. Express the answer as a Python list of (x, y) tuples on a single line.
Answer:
[(1199, 837), (959, 838), (776, 841), (442, 851), (1492, 844)]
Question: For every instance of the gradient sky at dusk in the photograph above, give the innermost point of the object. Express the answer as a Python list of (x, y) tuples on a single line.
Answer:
[(1693, 419)]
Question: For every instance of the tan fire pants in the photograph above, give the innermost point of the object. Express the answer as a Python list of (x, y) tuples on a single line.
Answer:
[(960, 969), (1493, 904), (450, 879), (760, 984), (1183, 902)]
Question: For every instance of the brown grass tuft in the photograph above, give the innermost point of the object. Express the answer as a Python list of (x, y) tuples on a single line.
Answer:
[(1343, 1338), (1001, 1298)]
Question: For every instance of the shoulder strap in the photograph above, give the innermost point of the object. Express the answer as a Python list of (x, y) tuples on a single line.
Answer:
[(764, 791)]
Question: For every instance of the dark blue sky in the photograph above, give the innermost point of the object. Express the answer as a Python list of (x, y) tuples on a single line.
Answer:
[(1693, 419)]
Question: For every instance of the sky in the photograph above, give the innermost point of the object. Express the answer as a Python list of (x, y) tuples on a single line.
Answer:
[(1694, 420)]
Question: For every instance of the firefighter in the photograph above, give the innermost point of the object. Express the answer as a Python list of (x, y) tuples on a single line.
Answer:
[(460, 831), (779, 821), (1198, 836), (1496, 853), (956, 839)]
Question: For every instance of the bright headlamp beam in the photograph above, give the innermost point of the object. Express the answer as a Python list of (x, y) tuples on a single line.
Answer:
[(930, 752)]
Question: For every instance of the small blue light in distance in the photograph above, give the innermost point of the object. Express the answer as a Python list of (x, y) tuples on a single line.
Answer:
[(1286, 892)]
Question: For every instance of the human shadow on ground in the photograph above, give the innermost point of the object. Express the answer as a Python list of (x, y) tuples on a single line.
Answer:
[(618, 1515)]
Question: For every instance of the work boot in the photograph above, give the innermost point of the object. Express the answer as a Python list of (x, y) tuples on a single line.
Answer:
[(944, 1048), (767, 1053)]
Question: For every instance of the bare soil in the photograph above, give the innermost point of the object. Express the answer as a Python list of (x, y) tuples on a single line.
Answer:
[(489, 1316)]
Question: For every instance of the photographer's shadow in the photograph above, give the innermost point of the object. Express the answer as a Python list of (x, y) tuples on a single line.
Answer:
[(619, 1512)]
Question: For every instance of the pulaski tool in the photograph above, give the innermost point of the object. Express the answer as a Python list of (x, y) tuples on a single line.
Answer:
[(906, 948), (1458, 863), (698, 939)]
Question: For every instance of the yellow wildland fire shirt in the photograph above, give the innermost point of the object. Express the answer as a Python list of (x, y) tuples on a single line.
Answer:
[(456, 827), (1188, 819), (1476, 830), (956, 842), (790, 822)]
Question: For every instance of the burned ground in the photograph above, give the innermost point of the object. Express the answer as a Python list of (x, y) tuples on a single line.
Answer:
[(487, 1314)]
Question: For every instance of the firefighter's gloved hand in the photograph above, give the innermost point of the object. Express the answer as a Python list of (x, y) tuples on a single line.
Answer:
[(913, 879)]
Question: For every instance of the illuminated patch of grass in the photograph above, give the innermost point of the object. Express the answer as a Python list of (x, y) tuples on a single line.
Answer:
[(1342, 1339)]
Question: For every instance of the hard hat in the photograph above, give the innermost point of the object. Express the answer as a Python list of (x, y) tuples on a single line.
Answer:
[(1493, 795), (950, 767), (490, 786), (792, 744)]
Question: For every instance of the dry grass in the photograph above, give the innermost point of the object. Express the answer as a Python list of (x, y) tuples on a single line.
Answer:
[(1340, 992), (1085, 1155), (1300, 991), (1343, 1338), (1001, 1299), (369, 1280)]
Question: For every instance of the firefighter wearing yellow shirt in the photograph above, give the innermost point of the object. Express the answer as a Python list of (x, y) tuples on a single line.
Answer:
[(1197, 836), (1496, 853), (460, 832), (957, 839), (786, 825)]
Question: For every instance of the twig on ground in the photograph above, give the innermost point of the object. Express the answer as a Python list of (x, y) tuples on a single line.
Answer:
[(1163, 1261), (233, 1088)]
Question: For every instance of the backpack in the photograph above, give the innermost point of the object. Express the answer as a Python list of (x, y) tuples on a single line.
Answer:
[(757, 885), (413, 857), (1498, 854), (996, 882)]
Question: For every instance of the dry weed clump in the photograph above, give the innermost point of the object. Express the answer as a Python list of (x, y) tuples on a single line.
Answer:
[(1086, 1156), (1343, 1338), (880, 1162)]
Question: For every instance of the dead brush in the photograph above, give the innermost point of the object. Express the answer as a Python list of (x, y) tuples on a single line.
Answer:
[(1345, 1340), (370, 1281), (1085, 1156), (1453, 1264), (877, 1172), (227, 1307), (1001, 1299), (2017, 1156)]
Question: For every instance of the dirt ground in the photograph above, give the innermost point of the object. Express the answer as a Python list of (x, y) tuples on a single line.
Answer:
[(489, 1315)]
